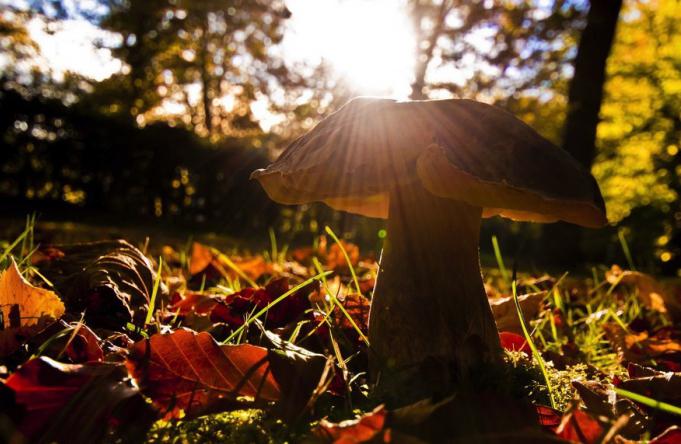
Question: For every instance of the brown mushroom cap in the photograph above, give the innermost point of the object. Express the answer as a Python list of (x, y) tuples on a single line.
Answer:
[(459, 149)]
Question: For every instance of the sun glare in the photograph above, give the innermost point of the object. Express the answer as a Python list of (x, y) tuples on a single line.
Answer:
[(369, 43)]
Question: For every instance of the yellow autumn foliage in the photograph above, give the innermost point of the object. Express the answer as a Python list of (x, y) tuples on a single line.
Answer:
[(642, 95)]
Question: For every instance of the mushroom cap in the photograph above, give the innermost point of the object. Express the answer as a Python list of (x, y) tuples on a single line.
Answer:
[(458, 149)]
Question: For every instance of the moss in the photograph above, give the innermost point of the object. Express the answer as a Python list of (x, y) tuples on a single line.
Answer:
[(240, 426)]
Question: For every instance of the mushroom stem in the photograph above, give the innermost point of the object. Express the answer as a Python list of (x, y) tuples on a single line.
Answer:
[(430, 323)]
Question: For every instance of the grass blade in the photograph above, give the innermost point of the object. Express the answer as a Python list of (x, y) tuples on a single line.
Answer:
[(530, 342), (273, 303), (650, 402), (154, 292), (330, 232), (500, 259)]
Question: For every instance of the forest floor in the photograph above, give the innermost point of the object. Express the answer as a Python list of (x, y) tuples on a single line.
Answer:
[(201, 342)]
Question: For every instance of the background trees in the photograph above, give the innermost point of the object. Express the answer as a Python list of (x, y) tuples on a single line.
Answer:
[(198, 78)]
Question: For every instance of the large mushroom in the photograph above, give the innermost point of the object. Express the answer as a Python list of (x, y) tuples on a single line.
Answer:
[(433, 169)]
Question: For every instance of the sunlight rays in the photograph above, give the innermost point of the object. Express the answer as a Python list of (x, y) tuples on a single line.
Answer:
[(370, 44)]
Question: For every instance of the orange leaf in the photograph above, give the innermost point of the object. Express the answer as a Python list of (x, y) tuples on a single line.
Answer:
[(362, 429), (32, 302), (26, 309), (191, 372)]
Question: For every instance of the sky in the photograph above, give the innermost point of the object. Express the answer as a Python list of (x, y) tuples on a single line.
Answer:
[(369, 43)]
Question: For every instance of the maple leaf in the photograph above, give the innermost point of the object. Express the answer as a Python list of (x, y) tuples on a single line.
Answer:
[(187, 371), (26, 309)]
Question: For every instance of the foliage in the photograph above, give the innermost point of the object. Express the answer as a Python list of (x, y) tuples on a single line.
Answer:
[(223, 48), (312, 371), (493, 50)]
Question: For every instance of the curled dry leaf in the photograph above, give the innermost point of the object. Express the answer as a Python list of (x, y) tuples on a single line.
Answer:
[(76, 403), (506, 315), (110, 281), (189, 371), (26, 309)]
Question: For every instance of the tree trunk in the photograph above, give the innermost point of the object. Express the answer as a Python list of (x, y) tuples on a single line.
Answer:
[(205, 81), (562, 240), (586, 88), (424, 58)]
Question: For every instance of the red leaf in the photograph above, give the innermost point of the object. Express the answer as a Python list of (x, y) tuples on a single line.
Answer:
[(49, 394), (362, 429), (241, 304), (189, 371), (548, 417), (514, 342), (670, 436), (84, 347), (578, 426)]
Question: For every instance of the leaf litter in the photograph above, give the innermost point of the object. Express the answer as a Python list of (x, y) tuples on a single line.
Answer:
[(284, 334)]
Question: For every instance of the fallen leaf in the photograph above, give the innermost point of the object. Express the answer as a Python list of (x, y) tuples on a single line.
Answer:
[(650, 291), (506, 315), (84, 347), (110, 281), (514, 342), (187, 371), (363, 429), (233, 309), (661, 386), (23, 304), (76, 403), (670, 436), (578, 426), (26, 309), (600, 401), (297, 371), (205, 259), (335, 259), (641, 347)]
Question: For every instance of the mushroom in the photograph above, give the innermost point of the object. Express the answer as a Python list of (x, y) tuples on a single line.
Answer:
[(433, 169)]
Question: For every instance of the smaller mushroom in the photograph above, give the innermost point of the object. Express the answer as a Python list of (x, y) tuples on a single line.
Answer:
[(434, 169)]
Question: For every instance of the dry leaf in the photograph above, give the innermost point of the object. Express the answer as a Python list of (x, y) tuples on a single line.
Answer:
[(506, 315), (23, 304), (187, 371), (26, 309), (641, 347), (651, 292), (363, 429), (204, 258)]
